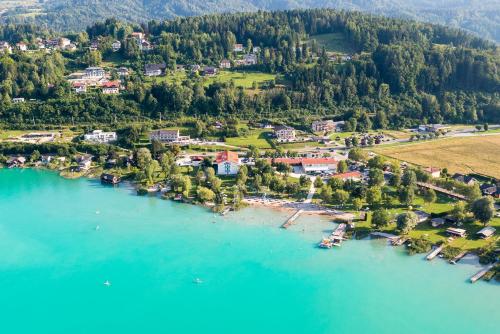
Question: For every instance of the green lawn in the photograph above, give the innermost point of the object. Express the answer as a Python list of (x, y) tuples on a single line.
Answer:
[(241, 79), (256, 137), (334, 42)]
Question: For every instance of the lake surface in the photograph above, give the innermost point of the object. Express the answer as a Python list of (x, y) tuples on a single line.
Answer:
[(255, 277)]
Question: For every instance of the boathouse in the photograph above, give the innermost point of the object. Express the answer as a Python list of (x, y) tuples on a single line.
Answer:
[(456, 232), (110, 178), (486, 232)]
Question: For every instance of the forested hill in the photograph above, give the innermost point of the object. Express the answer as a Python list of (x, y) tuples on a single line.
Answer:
[(479, 16), (291, 67)]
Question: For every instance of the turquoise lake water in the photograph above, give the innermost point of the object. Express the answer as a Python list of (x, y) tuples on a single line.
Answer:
[(256, 277)]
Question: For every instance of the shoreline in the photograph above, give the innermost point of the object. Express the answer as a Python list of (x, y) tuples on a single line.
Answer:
[(277, 205)]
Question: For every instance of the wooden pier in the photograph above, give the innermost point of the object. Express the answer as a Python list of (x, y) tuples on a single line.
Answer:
[(399, 241), (225, 211), (458, 257), (481, 273), (389, 236), (434, 253), (290, 220), (337, 236)]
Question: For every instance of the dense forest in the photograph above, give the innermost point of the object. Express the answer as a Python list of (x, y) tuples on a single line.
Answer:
[(477, 16), (401, 73)]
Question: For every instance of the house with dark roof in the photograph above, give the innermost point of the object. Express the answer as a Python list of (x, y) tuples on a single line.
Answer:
[(468, 180), (488, 189), (153, 70)]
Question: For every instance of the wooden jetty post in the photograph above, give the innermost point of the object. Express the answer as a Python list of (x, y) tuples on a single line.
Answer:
[(458, 257), (290, 220)]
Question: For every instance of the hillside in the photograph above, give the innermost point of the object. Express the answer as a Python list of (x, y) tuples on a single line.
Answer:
[(479, 17)]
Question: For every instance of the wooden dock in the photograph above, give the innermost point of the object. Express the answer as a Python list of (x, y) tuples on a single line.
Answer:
[(399, 241), (434, 253), (481, 273), (290, 220), (225, 211), (458, 257), (389, 236), (337, 236)]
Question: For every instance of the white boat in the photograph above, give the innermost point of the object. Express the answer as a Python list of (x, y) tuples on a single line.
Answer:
[(107, 283), (197, 281)]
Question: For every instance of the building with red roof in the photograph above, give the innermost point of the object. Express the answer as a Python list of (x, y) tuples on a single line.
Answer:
[(227, 163), (355, 176), (111, 87)]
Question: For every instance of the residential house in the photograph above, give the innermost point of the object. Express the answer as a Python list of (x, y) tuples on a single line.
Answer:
[(18, 100), (94, 46), (101, 137), (209, 71), (153, 70), (64, 43), (225, 63), (353, 176), (256, 49), (433, 172), (116, 46), (111, 87), (5, 47), (468, 180), (436, 222), (238, 48), (284, 133), (122, 71), (195, 68), (433, 128), (21, 46), (486, 232), (94, 73), (488, 189), (84, 162), (227, 163), (110, 178), (421, 215), (168, 136), (250, 59), (145, 46), (139, 36), (79, 87), (323, 126)]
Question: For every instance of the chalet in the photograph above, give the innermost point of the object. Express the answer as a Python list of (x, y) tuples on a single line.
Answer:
[(468, 180), (18, 100), (256, 49), (486, 232), (145, 46), (225, 63), (153, 70), (195, 68), (168, 136), (79, 87), (138, 36), (489, 190), (123, 72), (94, 73), (238, 48), (22, 46), (111, 87), (209, 71), (456, 232), (110, 178), (354, 176), (5, 47), (284, 133), (323, 126), (94, 45), (116, 46), (99, 136), (64, 43), (227, 163), (433, 172)]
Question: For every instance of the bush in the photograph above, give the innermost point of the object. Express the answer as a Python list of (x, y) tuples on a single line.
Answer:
[(419, 245)]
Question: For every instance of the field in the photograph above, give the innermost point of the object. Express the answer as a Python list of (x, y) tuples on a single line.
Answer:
[(479, 154), (257, 138), (334, 42)]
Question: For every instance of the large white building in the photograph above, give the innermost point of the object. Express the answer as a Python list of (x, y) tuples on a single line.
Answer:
[(227, 163), (284, 133), (168, 136), (99, 136)]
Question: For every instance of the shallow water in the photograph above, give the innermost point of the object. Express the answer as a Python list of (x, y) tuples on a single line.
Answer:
[(253, 276)]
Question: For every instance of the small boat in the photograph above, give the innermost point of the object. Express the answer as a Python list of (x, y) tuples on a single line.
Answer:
[(197, 281), (325, 243), (97, 228), (107, 283)]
